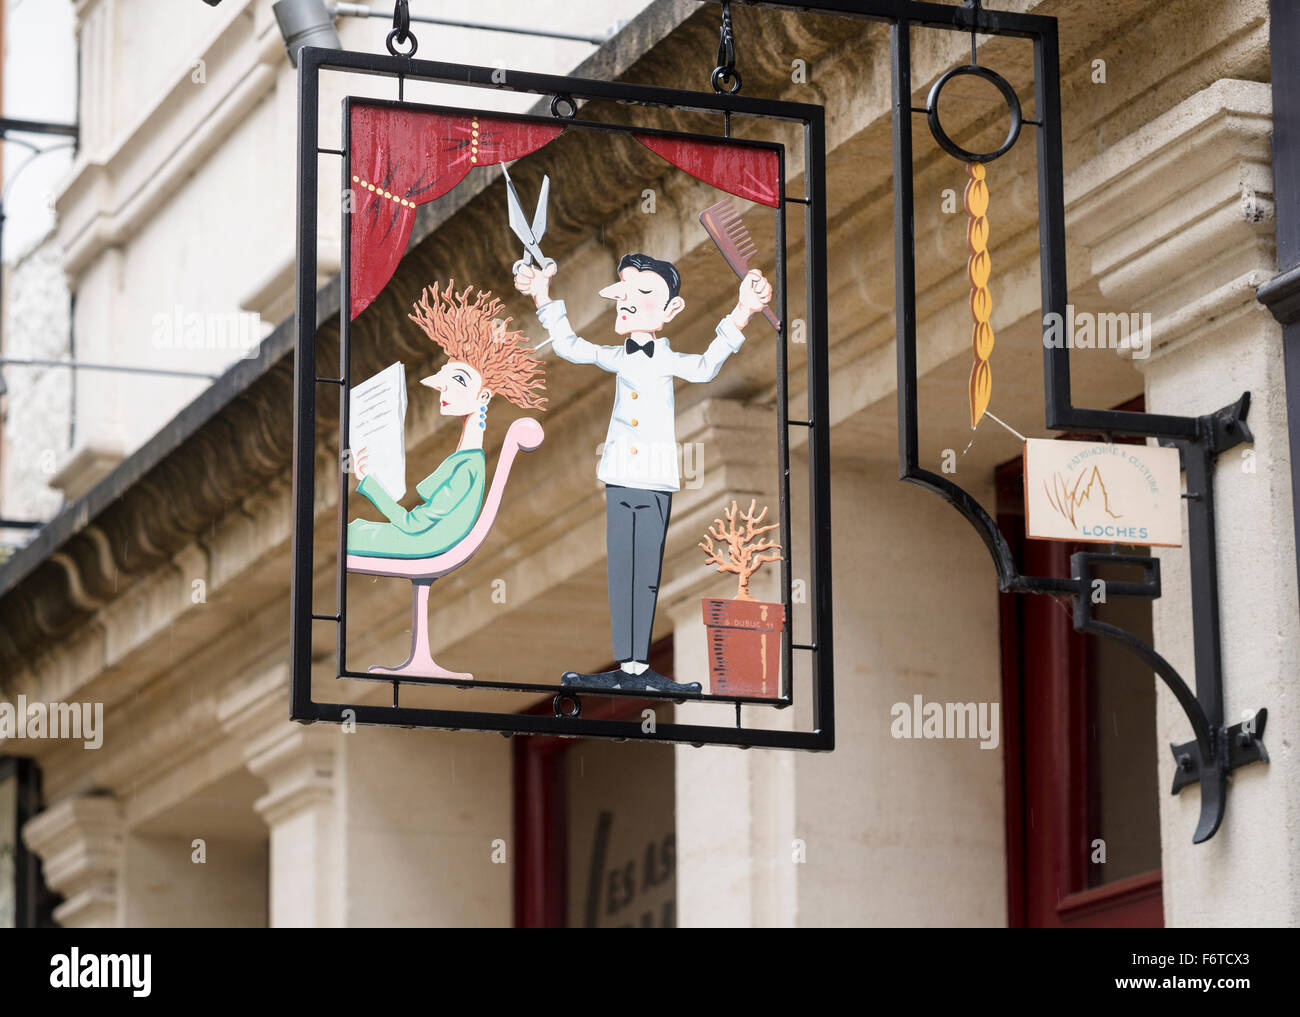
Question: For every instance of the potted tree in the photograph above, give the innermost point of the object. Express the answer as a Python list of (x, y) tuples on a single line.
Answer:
[(744, 634)]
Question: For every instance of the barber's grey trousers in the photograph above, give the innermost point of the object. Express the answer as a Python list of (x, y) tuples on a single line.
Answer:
[(636, 525)]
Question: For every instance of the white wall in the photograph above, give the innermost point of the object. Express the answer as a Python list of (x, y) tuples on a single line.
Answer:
[(39, 84)]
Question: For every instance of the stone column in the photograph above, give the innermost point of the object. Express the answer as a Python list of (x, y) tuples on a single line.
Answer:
[(306, 884), (899, 830), (1187, 204), (881, 830), (735, 808), (79, 842)]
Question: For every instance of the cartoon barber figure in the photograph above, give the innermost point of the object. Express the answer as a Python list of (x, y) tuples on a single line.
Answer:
[(639, 464)]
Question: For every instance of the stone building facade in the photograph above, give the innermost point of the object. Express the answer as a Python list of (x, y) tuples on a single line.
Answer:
[(162, 590)]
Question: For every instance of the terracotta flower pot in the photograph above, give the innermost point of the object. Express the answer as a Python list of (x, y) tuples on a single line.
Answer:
[(744, 647)]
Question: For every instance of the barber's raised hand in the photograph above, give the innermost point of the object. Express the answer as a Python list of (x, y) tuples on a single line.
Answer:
[(755, 294), (535, 283)]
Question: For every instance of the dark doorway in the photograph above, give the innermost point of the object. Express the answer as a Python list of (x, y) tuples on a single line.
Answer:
[(1083, 822)]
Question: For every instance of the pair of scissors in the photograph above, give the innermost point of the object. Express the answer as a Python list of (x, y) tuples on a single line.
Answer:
[(530, 235)]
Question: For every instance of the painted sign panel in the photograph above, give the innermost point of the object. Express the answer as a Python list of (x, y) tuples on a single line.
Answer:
[(1102, 493), (406, 147), (476, 344)]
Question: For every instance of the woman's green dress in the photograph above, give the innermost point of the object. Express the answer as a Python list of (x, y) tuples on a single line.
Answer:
[(453, 495)]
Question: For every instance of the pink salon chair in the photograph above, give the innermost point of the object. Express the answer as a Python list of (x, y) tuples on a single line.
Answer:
[(525, 434)]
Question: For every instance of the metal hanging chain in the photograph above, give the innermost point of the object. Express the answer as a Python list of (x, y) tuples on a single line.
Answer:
[(401, 32), (725, 77)]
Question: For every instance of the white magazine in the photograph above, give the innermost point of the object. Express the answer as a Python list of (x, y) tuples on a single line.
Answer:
[(377, 423)]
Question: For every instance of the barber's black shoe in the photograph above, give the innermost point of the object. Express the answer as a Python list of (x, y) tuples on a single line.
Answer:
[(599, 680), (652, 681)]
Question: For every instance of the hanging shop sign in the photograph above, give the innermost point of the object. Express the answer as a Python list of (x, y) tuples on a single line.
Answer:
[(1100, 492), (1103, 493), (398, 158), (409, 521)]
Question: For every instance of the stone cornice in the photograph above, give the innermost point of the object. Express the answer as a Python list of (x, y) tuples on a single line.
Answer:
[(236, 437), (1215, 240), (299, 769), (148, 513)]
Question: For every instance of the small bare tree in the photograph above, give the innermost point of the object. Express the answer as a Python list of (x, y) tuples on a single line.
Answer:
[(741, 537)]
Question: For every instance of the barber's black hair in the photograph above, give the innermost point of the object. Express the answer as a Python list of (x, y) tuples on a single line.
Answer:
[(666, 270)]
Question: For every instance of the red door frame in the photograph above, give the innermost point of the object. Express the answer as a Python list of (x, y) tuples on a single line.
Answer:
[(1050, 803)]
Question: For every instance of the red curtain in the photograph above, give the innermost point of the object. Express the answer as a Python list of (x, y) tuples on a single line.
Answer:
[(402, 158), (752, 173)]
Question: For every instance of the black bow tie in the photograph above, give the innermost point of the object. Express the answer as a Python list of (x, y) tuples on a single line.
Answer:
[(631, 345)]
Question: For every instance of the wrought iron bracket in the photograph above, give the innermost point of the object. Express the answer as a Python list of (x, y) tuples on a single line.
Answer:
[(1217, 750), (1199, 439), (1233, 747)]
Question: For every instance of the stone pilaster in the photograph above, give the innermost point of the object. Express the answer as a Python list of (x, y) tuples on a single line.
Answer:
[(79, 842), (300, 809), (1187, 205)]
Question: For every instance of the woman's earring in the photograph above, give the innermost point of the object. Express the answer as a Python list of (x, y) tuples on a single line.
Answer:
[(482, 416)]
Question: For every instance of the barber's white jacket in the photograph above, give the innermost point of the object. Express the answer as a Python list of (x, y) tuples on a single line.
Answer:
[(641, 445)]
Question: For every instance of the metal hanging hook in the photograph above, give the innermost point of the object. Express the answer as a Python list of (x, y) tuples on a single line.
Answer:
[(401, 32), (725, 77)]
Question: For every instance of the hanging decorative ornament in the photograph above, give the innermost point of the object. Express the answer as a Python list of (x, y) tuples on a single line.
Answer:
[(979, 267), (398, 162), (977, 205)]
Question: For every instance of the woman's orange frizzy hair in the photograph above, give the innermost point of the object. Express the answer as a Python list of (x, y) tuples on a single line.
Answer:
[(470, 331)]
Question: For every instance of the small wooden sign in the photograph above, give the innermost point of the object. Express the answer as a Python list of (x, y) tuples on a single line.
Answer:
[(1105, 494)]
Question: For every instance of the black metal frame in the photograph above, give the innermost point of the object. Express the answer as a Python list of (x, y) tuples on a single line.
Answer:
[(1217, 749), (563, 93)]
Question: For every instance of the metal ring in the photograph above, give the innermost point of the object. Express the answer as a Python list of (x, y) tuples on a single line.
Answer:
[(555, 107), (396, 36), (559, 710), (941, 136), (721, 74)]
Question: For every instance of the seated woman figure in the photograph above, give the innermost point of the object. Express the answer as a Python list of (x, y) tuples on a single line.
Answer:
[(483, 360)]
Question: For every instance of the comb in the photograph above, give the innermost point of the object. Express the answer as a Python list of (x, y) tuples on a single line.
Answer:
[(725, 228)]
